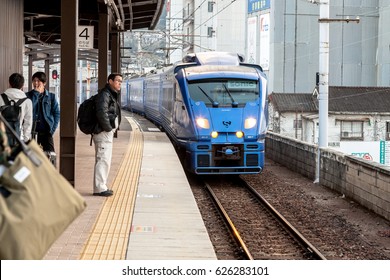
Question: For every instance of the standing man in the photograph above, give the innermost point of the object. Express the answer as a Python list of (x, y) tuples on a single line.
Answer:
[(15, 94), (108, 115), (46, 114)]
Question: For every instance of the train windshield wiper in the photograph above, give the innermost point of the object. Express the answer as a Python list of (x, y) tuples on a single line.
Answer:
[(234, 103), (215, 104)]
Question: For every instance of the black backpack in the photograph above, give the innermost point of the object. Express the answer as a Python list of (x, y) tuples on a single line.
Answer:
[(11, 113), (86, 116)]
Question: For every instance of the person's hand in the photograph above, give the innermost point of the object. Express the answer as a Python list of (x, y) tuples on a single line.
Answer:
[(39, 87)]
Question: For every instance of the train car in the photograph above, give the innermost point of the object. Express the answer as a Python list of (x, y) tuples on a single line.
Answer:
[(135, 101), (214, 108)]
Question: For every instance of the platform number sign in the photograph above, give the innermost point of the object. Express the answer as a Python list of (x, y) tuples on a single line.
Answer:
[(85, 37)]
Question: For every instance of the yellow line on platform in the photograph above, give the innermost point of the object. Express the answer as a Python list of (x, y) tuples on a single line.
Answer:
[(109, 237)]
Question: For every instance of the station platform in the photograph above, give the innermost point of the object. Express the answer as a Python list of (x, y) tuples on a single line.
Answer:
[(152, 214)]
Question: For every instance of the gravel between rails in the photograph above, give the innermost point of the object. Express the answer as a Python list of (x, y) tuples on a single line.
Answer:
[(340, 228)]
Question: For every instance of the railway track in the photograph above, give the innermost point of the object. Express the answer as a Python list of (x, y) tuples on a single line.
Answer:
[(258, 228)]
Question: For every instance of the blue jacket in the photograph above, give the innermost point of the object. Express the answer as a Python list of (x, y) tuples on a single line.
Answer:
[(51, 109)]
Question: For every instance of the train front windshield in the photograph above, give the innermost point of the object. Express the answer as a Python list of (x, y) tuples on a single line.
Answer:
[(224, 93)]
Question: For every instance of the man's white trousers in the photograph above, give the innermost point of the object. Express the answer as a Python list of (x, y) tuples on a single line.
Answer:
[(103, 154)]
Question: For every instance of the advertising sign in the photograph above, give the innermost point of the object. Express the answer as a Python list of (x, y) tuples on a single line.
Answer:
[(377, 151), (251, 40), (264, 41), (385, 152), (258, 5)]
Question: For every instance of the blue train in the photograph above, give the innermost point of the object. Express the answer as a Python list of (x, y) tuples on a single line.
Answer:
[(213, 106)]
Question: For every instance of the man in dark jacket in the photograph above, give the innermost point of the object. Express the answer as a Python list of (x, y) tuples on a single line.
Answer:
[(108, 115)]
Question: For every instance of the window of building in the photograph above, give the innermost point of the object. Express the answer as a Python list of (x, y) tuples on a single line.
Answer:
[(387, 131), (211, 7), (351, 130), (210, 31), (297, 124)]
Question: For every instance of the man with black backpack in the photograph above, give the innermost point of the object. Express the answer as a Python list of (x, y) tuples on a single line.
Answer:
[(17, 109), (108, 116)]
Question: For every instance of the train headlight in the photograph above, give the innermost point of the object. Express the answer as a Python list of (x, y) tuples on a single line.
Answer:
[(214, 134), (239, 134), (249, 123), (203, 123)]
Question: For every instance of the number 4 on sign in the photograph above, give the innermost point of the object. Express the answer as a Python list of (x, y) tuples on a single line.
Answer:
[(85, 36), (84, 33)]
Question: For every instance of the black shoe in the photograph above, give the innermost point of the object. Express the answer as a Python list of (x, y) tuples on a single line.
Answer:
[(105, 193)]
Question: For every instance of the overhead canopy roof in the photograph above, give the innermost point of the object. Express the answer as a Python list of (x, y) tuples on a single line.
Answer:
[(42, 18)]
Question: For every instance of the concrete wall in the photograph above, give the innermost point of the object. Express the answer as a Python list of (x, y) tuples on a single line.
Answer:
[(296, 155), (367, 183)]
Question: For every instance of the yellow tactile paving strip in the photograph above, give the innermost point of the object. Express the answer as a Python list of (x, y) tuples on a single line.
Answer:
[(110, 234)]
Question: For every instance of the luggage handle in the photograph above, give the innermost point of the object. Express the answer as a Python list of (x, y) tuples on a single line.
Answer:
[(25, 149)]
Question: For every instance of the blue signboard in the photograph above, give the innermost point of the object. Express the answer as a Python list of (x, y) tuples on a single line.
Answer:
[(382, 152), (258, 5)]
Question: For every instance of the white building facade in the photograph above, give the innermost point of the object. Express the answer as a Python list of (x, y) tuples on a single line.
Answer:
[(358, 52), (214, 26), (174, 31)]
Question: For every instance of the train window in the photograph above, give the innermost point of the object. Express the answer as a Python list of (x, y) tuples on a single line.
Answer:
[(224, 92), (211, 6), (167, 99), (178, 93)]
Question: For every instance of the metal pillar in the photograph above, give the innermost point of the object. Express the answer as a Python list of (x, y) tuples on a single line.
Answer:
[(103, 49), (47, 72), (68, 96), (115, 54), (115, 61), (30, 73)]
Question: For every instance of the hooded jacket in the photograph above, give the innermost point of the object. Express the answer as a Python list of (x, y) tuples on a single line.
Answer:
[(26, 114)]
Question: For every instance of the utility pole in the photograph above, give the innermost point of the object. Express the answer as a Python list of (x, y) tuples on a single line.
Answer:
[(323, 86), (323, 93)]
